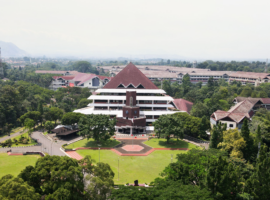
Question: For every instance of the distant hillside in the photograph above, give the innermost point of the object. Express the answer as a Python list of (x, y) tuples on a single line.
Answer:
[(11, 50)]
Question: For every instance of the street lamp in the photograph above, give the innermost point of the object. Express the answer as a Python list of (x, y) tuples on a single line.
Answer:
[(171, 157), (99, 152), (118, 168)]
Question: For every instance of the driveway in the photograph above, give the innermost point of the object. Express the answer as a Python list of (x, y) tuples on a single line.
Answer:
[(45, 145)]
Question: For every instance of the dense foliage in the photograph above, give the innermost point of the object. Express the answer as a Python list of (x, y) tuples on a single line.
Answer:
[(22, 100)]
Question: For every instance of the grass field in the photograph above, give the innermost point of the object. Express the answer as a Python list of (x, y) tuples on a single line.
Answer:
[(173, 143), (15, 164), (92, 143), (142, 168)]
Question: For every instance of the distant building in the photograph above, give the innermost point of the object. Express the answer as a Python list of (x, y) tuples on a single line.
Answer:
[(91, 81), (176, 74), (243, 108), (134, 100)]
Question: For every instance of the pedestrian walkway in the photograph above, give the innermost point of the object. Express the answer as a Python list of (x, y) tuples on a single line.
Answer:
[(11, 136), (74, 154)]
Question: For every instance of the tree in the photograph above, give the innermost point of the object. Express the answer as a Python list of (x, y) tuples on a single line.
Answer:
[(55, 114), (83, 103), (99, 127), (164, 126), (40, 110), (71, 118), (233, 143), (54, 172), (49, 126), (245, 133), (34, 115), (84, 66), (217, 135), (29, 124), (199, 110), (259, 183), (186, 83), (100, 181), (16, 188), (214, 138)]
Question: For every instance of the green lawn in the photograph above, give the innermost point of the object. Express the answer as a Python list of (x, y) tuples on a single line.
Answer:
[(32, 142), (15, 164), (92, 143), (142, 168), (173, 143)]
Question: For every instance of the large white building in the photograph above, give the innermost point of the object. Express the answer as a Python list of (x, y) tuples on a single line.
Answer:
[(131, 85), (176, 74)]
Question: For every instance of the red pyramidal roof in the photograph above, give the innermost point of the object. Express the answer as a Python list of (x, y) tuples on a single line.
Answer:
[(130, 75)]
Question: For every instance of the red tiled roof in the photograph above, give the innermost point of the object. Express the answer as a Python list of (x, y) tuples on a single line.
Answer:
[(130, 75), (104, 77), (265, 100), (183, 105), (64, 77)]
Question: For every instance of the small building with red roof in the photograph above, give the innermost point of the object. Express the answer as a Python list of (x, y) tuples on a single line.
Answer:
[(243, 108)]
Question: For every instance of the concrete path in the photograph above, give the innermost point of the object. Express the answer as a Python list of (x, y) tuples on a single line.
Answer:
[(46, 145), (11, 136)]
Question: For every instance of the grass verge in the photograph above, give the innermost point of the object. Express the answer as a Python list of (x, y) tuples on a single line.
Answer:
[(92, 143), (173, 143), (15, 164), (142, 168)]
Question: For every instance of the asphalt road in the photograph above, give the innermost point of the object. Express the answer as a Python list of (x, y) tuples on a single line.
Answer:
[(46, 145)]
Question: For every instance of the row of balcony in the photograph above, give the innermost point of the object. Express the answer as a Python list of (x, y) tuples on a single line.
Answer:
[(120, 108)]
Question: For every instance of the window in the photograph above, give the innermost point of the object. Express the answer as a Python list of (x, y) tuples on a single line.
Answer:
[(231, 125)]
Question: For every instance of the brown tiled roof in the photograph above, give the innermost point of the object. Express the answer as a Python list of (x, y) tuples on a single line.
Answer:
[(183, 105), (130, 75), (64, 77), (220, 114), (242, 107), (253, 100)]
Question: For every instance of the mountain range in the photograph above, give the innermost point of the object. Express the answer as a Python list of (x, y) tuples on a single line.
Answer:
[(9, 49)]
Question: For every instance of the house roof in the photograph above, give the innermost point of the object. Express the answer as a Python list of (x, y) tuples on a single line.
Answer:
[(130, 75), (183, 105), (239, 111), (64, 77), (55, 72), (220, 114), (254, 100), (242, 107)]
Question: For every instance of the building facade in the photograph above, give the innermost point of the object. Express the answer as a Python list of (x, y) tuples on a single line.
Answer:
[(134, 100), (176, 74), (245, 107)]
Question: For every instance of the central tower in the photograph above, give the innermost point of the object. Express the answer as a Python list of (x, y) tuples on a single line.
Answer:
[(131, 122)]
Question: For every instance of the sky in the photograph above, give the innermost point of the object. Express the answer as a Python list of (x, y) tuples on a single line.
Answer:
[(193, 29)]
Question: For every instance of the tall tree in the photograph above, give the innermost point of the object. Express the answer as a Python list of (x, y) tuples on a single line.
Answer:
[(55, 114), (245, 133), (233, 143), (15, 188), (99, 127), (40, 110)]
